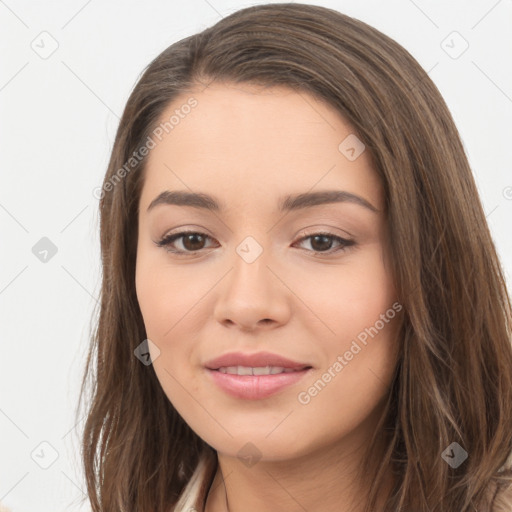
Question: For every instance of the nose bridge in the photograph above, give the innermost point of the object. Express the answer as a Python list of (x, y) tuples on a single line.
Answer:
[(251, 292), (250, 275)]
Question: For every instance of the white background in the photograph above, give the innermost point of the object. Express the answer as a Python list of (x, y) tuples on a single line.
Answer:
[(58, 118)]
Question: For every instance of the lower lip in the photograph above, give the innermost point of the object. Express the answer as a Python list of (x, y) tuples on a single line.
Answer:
[(255, 387)]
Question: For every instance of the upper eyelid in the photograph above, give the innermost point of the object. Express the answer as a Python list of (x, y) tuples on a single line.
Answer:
[(303, 234), (307, 231)]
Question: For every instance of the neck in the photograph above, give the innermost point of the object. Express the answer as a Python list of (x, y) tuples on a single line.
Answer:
[(327, 477)]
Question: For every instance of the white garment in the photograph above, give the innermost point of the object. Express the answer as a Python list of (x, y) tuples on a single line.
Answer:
[(193, 497)]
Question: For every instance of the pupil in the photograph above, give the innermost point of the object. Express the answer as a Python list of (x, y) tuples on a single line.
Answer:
[(191, 237), (324, 239)]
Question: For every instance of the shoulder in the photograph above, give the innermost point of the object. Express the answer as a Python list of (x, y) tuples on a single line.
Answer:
[(502, 501), (502, 493), (194, 495)]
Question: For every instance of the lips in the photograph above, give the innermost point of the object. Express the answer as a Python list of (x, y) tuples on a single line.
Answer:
[(257, 360), (255, 387), (255, 376)]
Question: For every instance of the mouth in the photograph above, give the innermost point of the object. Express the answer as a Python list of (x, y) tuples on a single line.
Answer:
[(260, 363), (255, 376), (256, 383), (258, 370)]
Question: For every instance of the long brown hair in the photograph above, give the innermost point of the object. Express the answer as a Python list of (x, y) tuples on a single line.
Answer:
[(453, 381)]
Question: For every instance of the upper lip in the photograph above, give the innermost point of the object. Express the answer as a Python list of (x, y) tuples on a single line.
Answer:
[(259, 359)]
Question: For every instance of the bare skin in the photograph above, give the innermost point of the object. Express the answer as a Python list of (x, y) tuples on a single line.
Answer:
[(301, 298)]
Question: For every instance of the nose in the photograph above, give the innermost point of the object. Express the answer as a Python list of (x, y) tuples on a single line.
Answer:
[(253, 296)]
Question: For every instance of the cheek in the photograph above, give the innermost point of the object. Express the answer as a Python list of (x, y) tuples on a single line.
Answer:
[(351, 297), (358, 304), (164, 296), (166, 301), (356, 375), (151, 297)]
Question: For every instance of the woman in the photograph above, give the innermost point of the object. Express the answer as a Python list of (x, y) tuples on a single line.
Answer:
[(302, 307)]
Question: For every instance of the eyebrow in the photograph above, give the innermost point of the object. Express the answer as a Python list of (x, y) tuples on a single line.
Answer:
[(286, 203)]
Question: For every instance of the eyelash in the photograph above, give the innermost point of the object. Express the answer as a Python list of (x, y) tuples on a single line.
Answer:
[(166, 242)]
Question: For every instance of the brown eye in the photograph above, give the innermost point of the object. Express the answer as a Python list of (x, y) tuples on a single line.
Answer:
[(191, 241), (323, 243)]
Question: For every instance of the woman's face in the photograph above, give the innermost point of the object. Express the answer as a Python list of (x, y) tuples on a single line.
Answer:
[(269, 269)]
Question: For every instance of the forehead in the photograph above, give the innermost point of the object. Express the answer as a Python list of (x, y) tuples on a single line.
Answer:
[(255, 142)]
